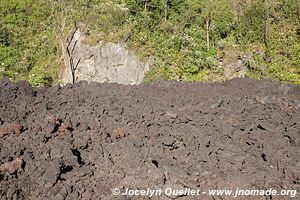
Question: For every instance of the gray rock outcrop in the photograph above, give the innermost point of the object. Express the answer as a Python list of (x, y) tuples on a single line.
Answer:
[(104, 62)]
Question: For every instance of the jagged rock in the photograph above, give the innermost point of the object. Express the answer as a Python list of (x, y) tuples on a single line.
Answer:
[(217, 104), (12, 166), (104, 62), (171, 114)]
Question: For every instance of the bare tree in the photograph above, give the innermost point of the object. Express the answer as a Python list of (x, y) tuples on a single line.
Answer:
[(70, 53)]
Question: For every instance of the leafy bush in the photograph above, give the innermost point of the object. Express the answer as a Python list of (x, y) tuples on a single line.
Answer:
[(185, 36)]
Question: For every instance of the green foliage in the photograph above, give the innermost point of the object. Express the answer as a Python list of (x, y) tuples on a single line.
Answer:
[(37, 76), (25, 37), (278, 33), (173, 31), (251, 29), (222, 21)]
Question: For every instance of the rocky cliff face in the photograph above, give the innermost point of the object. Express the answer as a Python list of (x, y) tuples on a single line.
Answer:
[(104, 62)]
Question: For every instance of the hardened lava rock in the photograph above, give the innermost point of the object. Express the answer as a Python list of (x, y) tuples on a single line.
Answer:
[(81, 141)]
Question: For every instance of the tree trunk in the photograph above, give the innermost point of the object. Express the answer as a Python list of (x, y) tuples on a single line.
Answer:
[(268, 8), (207, 33), (298, 4), (145, 7), (207, 23), (166, 10)]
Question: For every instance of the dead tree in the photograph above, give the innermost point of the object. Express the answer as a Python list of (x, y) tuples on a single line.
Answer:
[(70, 52)]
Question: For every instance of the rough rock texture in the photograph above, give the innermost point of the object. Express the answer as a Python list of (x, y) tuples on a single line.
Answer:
[(233, 62), (104, 62), (81, 141)]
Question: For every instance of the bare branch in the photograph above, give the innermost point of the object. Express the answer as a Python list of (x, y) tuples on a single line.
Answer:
[(75, 43), (75, 67), (70, 53)]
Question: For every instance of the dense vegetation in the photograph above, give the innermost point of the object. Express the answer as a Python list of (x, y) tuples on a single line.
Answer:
[(189, 38)]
